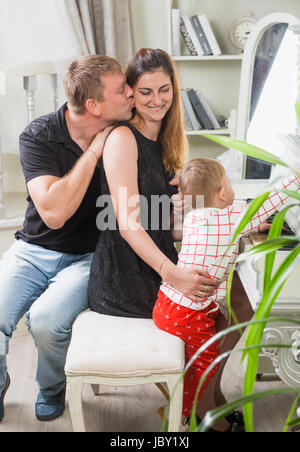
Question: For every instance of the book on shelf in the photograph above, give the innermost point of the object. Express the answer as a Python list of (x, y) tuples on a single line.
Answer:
[(200, 112), (201, 35), (186, 119), (193, 37), (189, 110), (187, 40), (208, 110), (175, 31), (209, 34)]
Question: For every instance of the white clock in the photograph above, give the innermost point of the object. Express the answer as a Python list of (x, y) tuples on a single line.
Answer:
[(240, 31)]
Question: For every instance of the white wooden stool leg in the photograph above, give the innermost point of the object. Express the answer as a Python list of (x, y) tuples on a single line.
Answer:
[(75, 385), (53, 80), (176, 394), (29, 83), (2, 208), (96, 389)]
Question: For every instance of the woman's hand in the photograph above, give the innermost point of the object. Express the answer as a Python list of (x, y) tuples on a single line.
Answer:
[(177, 200), (193, 283), (179, 209)]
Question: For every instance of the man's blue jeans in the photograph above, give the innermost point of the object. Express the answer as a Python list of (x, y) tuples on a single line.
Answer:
[(51, 287)]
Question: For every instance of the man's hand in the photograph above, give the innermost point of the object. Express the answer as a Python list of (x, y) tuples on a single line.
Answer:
[(97, 145)]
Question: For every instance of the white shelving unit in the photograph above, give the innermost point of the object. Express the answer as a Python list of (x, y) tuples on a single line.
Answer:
[(222, 131), (217, 76), (182, 60), (207, 58)]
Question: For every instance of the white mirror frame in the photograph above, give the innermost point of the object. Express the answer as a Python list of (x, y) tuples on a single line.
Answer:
[(246, 78)]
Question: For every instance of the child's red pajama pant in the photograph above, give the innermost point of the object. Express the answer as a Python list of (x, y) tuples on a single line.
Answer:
[(194, 328)]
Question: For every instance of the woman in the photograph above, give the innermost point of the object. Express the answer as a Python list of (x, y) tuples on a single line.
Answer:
[(143, 156), (140, 159)]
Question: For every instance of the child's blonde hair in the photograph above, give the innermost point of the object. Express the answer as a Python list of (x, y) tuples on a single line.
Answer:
[(201, 176)]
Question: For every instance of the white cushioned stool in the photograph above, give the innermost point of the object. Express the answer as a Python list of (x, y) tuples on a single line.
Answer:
[(121, 351)]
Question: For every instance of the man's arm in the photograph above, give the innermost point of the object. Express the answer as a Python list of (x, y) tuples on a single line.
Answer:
[(57, 199)]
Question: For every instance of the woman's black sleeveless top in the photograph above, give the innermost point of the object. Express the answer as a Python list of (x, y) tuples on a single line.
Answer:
[(121, 283)]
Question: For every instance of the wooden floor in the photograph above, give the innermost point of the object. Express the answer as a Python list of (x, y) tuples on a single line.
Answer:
[(119, 409)]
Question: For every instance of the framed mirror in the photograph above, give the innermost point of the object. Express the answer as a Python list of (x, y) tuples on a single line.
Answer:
[(268, 91)]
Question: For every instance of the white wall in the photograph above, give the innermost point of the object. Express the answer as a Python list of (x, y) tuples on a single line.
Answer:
[(148, 21), (219, 80), (149, 17), (149, 28)]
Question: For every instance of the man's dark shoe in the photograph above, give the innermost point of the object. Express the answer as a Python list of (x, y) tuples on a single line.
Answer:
[(48, 408), (2, 397)]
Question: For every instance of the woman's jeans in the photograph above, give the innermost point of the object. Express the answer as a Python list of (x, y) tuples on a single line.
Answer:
[(51, 287)]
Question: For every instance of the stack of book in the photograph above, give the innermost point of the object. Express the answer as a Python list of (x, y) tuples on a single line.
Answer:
[(197, 112), (196, 32)]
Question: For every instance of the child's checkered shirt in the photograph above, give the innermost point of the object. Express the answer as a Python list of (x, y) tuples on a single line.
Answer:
[(207, 233)]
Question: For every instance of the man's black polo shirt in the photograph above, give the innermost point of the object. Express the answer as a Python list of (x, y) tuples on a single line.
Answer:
[(46, 148)]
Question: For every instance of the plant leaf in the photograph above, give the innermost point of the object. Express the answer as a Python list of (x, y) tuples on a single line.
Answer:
[(246, 148), (212, 416), (275, 231), (291, 414), (278, 279), (221, 334), (292, 194), (297, 109), (228, 295), (193, 421), (223, 356), (255, 333), (268, 246), (253, 207), (294, 422)]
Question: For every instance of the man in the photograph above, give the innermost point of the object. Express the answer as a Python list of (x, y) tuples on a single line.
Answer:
[(45, 273)]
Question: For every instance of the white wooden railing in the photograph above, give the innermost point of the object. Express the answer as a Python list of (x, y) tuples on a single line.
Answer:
[(29, 72)]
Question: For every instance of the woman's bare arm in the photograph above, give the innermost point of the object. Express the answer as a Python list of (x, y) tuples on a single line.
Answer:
[(120, 164)]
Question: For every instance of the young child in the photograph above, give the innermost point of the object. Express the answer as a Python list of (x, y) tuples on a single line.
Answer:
[(207, 232)]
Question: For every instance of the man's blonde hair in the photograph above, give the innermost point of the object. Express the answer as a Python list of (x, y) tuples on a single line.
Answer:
[(83, 80), (201, 176)]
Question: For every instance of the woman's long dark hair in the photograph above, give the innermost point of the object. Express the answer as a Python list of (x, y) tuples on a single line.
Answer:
[(171, 136)]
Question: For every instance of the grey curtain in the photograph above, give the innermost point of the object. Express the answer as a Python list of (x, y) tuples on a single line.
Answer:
[(102, 26)]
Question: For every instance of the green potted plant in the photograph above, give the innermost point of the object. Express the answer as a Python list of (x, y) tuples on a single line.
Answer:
[(273, 284)]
